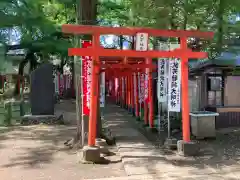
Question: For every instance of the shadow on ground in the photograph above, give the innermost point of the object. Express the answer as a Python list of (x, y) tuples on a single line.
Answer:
[(38, 151)]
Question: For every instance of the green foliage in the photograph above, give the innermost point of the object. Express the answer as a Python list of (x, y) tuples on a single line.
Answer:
[(39, 21)]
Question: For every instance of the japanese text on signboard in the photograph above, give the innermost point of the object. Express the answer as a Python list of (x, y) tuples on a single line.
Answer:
[(162, 80), (174, 103), (141, 42), (142, 87)]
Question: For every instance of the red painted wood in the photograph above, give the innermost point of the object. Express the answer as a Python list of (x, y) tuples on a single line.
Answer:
[(78, 29), (131, 53)]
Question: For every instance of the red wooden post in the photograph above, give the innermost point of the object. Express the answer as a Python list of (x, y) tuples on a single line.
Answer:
[(185, 101), (132, 93), (136, 97), (120, 90), (146, 98), (127, 94), (126, 90), (129, 91), (150, 96), (94, 93), (113, 89), (122, 93), (23, 84)]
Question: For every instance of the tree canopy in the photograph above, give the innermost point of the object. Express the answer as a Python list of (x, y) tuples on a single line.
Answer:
[(38, 22)]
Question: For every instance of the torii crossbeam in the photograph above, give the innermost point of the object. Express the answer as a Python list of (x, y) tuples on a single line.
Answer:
[(96, 51)]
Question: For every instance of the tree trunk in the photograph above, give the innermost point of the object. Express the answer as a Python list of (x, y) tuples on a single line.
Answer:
[(185, 14), (86, 15), (220, 21), (73, 79)]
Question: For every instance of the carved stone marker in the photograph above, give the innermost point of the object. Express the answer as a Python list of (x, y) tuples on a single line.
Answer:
[(42, 90)]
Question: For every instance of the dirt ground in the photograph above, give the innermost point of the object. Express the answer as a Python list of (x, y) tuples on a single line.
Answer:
[(38, 153)]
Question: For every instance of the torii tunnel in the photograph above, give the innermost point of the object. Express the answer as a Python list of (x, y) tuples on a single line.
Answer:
[(124, 64)]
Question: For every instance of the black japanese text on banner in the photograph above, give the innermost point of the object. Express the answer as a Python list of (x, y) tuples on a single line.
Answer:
[(102, 90), (141, 42), (162, 74), (142, 87), (146, 85), (89, 79), (174, 86)]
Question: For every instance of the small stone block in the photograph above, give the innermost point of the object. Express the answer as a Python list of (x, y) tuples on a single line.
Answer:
[(145, 125), (104, 150), (171, 143), (160, 130), (100, 142), (133, 111), (152, 130), (91, 154), (129, 109), (188, 148)]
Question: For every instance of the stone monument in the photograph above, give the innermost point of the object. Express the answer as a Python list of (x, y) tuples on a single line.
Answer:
[(42, 90)]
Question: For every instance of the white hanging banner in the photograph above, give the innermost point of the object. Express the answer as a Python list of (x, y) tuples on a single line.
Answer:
[(89, 79), (102, 89), (174, 86), (56, 83), (68, 83), (141, 41), (162, 74), (146, 85), (141, 87)]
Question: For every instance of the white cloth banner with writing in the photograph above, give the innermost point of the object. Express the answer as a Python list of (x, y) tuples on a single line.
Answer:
[(56, 83), (89, 79), (174, 86), (162, 74), (102, 90), (142, 87)]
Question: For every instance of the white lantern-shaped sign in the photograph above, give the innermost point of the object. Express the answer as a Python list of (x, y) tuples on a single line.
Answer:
[(141, 41)]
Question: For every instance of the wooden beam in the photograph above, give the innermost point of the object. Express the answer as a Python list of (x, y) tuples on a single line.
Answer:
[(131, 53), (84, 29)]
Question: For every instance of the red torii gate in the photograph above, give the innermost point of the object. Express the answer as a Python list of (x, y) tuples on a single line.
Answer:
[(125, 67), (96, 51)]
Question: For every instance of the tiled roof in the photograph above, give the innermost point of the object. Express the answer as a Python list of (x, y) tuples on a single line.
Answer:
[(225, 59)]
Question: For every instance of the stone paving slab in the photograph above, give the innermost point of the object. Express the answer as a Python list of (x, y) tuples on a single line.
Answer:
[(166, 177), (136, 177), (135, 150)]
